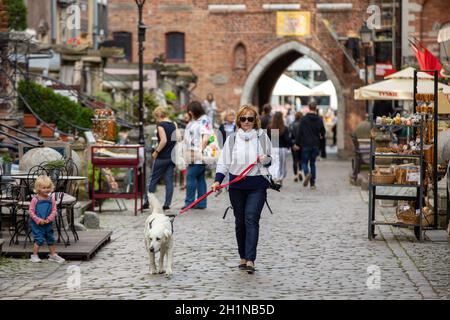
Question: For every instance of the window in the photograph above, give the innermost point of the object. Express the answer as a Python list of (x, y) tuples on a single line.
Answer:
[(175, 47), (124, 40), (240, 57)]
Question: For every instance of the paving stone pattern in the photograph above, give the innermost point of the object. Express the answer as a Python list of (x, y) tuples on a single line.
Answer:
[(314, 246)]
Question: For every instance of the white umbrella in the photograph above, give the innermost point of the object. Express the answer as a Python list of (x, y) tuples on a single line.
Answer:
[(326, 89), (397, 89), (408, 73), (286, 86)]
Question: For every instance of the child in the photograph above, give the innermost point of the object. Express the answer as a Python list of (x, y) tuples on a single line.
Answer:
[(43, 212)]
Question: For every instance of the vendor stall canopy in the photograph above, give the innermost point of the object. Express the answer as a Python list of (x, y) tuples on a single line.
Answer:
[(286, 86), (399, 86)]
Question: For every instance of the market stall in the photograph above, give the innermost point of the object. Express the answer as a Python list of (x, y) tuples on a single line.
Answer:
[(409, 170)]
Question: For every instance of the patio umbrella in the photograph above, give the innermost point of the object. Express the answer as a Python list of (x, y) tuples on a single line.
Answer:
[(326, 89), (399, 86), (286, 86)]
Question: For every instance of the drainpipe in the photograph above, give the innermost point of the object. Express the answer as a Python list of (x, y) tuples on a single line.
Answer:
[(95, 30), (53, 21)]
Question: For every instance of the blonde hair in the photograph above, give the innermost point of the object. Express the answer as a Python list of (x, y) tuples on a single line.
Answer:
[(43, 181), (247, 108), (160, 112), (226, 113)]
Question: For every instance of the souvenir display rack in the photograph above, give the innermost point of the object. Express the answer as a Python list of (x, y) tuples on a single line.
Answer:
[(376, 180), (421, 147)]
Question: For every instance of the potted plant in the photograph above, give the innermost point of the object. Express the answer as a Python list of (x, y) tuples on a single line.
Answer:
[(29, 120), (54, 168), (48, 131), (7, 162)]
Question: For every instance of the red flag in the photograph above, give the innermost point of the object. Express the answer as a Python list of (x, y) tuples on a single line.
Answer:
[(427, 61)]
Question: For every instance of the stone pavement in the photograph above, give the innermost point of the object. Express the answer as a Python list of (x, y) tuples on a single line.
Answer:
[(314, 246)]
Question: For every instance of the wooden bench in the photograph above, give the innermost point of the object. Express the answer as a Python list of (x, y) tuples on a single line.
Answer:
[(361, 155)]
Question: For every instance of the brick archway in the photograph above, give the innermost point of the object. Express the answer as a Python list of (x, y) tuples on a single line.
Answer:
[(274, 56)]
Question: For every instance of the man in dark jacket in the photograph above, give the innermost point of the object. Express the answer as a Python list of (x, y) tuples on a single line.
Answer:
[(311, 130)]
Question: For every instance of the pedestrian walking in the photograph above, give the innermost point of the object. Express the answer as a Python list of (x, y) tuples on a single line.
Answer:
[(266, 116), (247, 196), (279, 152), (296, 154), (196, 136), (311, 129), (228, 125), (210, 107), (163, 166), (42, 211)]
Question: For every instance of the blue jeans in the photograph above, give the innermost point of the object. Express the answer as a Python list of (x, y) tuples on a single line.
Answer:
[(163, 167), (247, 207), (195, 182), (309, 155)]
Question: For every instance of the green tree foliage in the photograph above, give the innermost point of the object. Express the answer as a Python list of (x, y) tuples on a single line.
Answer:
[(150, 102), (53, 107), (17, 14), (170, 96)]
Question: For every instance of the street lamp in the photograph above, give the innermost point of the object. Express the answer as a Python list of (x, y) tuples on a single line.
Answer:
[(141, 39), (366, 38)]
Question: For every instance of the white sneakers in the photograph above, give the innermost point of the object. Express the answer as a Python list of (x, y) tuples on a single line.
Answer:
[(35, 258), (54, 258)]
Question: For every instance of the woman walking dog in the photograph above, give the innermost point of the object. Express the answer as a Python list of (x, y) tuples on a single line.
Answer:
[(247, 196)]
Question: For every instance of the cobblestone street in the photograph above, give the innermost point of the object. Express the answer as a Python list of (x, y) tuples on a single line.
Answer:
[(314, 246)]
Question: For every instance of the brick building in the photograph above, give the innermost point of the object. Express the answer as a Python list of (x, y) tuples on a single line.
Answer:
[(423, 19), (233, 46)]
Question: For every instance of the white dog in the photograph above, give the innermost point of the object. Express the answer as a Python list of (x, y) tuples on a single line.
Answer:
[(158, 237)]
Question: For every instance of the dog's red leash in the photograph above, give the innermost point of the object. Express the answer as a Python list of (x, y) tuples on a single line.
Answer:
[(238, 178)]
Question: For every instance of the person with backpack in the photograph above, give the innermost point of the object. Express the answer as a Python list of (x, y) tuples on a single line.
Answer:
[(311, 129), (249, 144), (196, 136)]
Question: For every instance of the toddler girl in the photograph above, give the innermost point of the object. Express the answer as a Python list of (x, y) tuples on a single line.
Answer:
[(43, 212)]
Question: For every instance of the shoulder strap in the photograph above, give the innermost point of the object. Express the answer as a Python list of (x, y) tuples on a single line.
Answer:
[(231, 144)]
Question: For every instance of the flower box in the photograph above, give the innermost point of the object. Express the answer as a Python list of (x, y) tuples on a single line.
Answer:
[(29, 120), (47, 132)]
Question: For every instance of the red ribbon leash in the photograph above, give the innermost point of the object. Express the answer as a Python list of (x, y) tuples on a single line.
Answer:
[(238, 178)]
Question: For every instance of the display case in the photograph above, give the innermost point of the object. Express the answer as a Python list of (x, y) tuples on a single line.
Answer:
[(117, 156)]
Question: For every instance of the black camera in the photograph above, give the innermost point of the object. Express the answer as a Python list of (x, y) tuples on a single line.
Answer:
[(274, 186)]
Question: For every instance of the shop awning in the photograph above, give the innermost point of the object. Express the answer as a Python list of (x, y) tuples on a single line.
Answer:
[(397, 89), (286, 86), (399, 86)]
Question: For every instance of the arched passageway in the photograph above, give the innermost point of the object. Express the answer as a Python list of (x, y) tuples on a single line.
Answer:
[(262, 78)]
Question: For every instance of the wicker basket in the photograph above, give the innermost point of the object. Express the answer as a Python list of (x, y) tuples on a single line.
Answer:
[(383, 178), (408, 217), (406, 213)]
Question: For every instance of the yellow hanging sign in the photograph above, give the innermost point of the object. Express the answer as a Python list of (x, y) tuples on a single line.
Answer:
[(294, 23)]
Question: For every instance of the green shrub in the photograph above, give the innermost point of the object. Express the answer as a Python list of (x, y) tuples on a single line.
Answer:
[(170, 96), (17, 14), (53, 107), (150, 102)]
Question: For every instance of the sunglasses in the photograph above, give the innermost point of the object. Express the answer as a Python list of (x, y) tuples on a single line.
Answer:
[(249, 119)]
